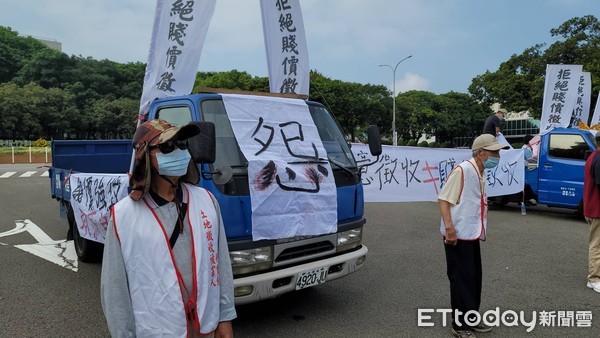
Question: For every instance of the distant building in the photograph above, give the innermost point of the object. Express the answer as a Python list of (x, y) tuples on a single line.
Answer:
[(54, 44), (516, 125)]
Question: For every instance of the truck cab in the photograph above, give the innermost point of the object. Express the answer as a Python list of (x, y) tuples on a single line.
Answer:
[(263, 268), (556, 178)]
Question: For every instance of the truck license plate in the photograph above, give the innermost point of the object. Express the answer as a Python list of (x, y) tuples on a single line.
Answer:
[(311, 278)]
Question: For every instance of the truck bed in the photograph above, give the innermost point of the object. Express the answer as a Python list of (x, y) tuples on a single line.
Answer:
[(89, 156)]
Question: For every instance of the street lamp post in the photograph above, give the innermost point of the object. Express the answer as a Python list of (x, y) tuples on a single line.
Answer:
[(394, 134)]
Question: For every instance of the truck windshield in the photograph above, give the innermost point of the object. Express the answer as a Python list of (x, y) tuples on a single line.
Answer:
[(228, 152)]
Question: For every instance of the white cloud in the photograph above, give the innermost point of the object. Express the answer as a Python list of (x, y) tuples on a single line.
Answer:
[(411, 81)]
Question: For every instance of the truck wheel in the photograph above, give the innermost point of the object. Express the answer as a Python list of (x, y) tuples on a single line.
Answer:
[(87, 251), (579, 210)]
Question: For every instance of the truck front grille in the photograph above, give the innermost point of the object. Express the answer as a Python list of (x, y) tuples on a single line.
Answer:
[(304, 250), (301, 250)]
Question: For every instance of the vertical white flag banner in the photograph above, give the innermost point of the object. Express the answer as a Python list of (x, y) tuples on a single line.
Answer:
[(285, 45), (596, 116), (584, 97), (292, 188), (178, 35), (560, 96)]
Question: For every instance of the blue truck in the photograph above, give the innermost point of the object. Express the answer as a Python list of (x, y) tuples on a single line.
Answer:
[(262, 269), (556, 178)]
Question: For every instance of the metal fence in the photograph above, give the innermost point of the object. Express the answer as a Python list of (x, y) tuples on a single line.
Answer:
[(24, 151)]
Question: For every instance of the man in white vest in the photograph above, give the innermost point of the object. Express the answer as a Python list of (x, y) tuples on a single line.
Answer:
[(463, 207), (166, 270)]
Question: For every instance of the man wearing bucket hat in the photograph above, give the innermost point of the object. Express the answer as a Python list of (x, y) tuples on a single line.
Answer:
[(463, 207), (166, 268)]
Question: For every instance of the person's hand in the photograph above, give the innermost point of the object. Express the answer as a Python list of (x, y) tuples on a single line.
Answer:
[(451, 238), (224, 330)]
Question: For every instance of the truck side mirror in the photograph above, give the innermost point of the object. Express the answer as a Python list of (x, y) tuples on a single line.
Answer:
[(374, 140), (202, 147)]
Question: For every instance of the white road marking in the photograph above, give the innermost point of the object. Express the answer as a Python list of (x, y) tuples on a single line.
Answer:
[(28, 174), (45, 174), (8, 174), (58, 252)]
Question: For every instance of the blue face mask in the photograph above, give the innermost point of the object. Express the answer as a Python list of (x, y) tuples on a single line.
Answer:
[(174, 163), (491, 162)]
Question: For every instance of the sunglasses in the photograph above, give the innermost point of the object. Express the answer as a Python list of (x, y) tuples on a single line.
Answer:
[(169, 146)]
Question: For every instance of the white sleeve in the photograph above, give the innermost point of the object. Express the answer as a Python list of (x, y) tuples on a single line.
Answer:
[(114, 290)]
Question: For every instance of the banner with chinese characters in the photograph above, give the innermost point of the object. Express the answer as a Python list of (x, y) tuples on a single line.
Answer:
[(581, 112), (178, 35), (560, 96), (292, 188), (416, 174), (92, 195), (596, 116), (285, 45)]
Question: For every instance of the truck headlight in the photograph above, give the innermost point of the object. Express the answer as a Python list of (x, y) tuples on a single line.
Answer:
[(251, 260), (349, 239)]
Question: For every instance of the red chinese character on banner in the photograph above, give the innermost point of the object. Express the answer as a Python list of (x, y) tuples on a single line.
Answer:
[(209, 236), (207, 224), (203, 214)]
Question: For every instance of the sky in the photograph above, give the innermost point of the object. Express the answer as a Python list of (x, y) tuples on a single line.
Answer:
[(451, 41)]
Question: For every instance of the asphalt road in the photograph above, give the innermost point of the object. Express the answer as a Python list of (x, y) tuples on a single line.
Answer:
[(536, 262)]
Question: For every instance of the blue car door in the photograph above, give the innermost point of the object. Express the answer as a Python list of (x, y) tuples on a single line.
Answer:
[(561, 167)]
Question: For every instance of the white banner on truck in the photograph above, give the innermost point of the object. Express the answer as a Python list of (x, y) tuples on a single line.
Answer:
[(596, 116), (560, 96), (416, 174), (285, 45), (92, 195), (176, 45), (584, 97), (292, 188)]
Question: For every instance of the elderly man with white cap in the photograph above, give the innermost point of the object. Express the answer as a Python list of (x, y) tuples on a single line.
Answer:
[(463, 207), (492, 124)]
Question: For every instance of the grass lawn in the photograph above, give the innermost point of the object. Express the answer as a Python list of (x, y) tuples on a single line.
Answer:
[(25, 150)]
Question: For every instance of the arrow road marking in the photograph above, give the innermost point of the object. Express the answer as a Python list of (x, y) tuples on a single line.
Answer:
[(58, 252)]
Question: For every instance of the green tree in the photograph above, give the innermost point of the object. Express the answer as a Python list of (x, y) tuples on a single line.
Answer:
[(460, 115), (131, 79), (416, 114), (111, 119), (518, 84), (15, 51), (355, 105), (10, 104), (48, 68), (233, 79)]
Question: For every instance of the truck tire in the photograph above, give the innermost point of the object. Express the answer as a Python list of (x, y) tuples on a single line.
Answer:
[(87, 251), (579, 211)]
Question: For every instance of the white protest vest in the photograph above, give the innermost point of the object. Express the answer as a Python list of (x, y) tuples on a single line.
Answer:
[(155, 284), (469, 215)]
